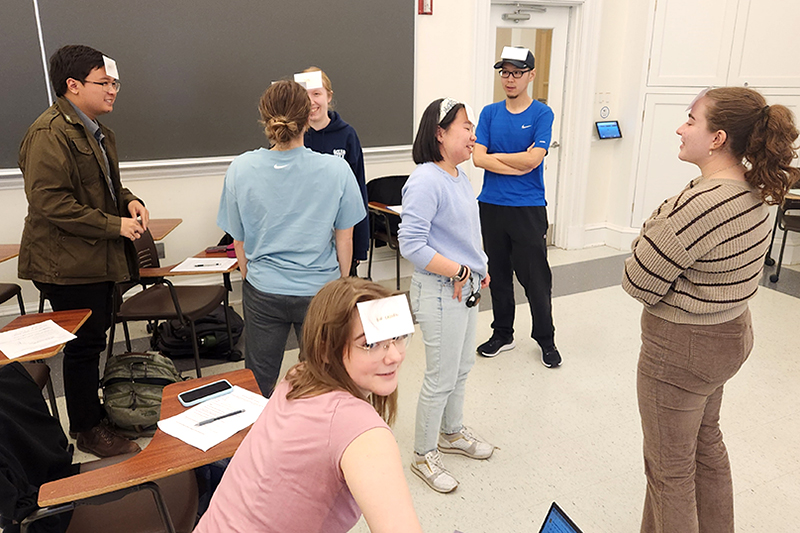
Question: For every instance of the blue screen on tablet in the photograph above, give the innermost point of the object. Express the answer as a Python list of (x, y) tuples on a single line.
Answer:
[(608, 129)]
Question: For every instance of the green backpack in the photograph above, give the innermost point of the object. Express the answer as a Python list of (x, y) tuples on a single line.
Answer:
[(132, 385)]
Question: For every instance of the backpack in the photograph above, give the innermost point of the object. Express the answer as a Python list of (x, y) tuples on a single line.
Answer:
[(132, 386), (174, 339)]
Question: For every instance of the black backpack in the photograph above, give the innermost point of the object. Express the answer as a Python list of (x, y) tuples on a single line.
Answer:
[(174, 339)]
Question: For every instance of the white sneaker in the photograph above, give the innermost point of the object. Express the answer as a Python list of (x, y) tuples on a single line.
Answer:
[(466, 443), (430, 468)]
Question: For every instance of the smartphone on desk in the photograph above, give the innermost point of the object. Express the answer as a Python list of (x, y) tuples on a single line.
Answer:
[(206, 392)]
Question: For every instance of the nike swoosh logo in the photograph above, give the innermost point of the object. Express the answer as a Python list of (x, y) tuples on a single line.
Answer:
[(278, 167), (528, 126)]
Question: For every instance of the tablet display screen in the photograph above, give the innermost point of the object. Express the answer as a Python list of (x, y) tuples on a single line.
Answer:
[(608, 129)]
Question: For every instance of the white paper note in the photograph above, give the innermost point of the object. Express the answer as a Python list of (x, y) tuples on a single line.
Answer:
[(385, 318), (184, 426), (22, 341), (309, 80), (111, 67), (195, 264)]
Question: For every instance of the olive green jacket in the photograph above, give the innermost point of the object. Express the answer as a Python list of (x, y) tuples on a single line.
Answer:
[(71, 233)]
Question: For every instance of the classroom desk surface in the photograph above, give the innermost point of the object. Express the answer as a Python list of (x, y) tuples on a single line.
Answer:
[(8, 251), (383, 208), (69, 320), (161, 272), (163, 457), (161, 227)]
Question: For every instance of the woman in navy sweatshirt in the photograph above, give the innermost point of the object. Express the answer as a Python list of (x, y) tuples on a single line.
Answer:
[(329, 134)]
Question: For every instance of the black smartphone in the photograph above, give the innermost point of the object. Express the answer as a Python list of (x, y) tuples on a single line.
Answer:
[(206, 392)]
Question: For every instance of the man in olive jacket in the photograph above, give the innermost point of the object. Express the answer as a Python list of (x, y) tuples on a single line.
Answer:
[(77, 240)]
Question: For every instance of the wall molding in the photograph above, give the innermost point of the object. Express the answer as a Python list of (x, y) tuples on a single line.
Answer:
[(11, 178)]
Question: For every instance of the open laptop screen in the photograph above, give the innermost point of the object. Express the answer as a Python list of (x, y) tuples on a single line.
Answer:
[(557, 521)]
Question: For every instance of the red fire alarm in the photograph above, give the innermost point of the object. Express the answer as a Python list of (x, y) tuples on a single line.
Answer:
[(426, 7)]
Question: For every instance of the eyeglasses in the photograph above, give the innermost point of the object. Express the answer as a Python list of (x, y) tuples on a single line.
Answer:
[(106, 85), (516, 74), (383, 346)]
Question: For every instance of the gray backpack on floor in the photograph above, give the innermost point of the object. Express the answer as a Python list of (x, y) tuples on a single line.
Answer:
[(132, 385)]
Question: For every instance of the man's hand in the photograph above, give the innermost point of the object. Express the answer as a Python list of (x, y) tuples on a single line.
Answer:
[(137, 210), (130, 229)]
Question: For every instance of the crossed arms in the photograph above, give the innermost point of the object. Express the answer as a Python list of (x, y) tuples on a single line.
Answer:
[(516, 164)]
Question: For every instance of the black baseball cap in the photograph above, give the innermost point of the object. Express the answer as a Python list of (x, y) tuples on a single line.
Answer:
[(516, 55)]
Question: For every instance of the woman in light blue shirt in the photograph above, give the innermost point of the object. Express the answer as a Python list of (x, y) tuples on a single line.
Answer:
[(440, 234), (291, 214)]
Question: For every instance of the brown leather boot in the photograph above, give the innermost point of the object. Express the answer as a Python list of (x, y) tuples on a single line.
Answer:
[(102, 442)]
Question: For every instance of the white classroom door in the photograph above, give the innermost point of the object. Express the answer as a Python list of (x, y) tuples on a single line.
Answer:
[(550, 69)]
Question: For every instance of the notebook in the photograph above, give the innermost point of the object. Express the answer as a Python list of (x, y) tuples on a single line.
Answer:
[(557, 521)]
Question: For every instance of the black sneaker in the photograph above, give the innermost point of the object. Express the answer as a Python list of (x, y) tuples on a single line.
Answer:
[(551, 358), (494, 346)]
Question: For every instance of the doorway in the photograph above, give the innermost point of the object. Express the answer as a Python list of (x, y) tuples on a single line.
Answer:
[(543, 30)]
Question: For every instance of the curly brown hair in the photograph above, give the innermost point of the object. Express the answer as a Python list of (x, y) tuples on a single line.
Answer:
[(327, 333), (758, 133)]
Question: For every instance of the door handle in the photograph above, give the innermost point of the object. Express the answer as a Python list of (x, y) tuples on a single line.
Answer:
[(554, 144)]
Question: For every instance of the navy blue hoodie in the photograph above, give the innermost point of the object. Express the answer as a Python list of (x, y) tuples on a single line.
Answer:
[(340, 139)]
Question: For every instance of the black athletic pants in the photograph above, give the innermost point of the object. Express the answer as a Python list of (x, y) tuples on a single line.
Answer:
[(514, 238), (82, 355)]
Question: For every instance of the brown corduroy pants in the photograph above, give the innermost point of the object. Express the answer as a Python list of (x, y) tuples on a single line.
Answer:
[(682, 371)]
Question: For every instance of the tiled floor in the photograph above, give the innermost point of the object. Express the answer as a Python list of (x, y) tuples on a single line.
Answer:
[(572, 434)]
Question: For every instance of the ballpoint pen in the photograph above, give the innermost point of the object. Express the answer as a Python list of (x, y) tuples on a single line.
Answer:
[(220, 417)]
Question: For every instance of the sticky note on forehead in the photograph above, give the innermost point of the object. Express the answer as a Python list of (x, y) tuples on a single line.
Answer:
[(385, 318), (309, 80), (111, 67), (698, 97), (514, 53)]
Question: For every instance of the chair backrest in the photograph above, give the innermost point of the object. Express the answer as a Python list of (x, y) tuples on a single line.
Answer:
[(146, 251), (386, 190)]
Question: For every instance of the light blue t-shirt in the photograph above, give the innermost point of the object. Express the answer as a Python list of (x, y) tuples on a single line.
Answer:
[(284, 206), (503, 132), (440, 214)]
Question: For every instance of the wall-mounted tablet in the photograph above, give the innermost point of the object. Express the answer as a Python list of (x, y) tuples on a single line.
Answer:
[(608, 129)]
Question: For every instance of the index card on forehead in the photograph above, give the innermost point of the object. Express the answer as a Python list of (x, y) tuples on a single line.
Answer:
[(514, 53), (111, 67), (698, 97), (309, 80), (385, 318)]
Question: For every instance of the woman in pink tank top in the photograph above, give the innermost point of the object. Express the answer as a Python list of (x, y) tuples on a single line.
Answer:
[(322, 453)]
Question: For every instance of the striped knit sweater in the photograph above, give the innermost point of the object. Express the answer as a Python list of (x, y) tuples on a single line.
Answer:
[(698, 258)]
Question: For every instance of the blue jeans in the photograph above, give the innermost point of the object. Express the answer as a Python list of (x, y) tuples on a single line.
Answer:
[(448, 330), (267, 321)]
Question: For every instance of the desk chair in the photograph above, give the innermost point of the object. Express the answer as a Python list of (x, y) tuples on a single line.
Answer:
[(161, 300), (34, 451), (787, 219), (383, 226), (39, 370), (8, 291)]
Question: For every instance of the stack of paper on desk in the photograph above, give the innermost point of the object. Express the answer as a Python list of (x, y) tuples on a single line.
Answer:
[(185, 425), (22, 341), (197, 264)]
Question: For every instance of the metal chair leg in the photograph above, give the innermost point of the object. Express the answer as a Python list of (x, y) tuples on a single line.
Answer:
[(397, 262), (774, 278), (21, 303), (196, 349), (768, 260)]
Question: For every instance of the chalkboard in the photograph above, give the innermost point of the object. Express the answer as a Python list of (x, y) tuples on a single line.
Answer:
[(192, 71), (23, 93)]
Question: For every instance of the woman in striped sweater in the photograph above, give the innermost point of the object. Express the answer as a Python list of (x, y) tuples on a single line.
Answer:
[(695, 265)]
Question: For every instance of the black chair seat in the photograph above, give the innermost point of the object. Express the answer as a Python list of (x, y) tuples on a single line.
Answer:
[(8, 291), (156, 303)]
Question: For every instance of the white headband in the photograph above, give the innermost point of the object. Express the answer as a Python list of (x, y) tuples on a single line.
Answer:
[(448, 104)]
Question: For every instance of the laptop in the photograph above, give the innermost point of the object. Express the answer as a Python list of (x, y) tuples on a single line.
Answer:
[(557, 521)]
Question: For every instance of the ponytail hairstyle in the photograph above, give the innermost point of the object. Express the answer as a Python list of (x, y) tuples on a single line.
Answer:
[(327, 336), (758, 133), (284, 109)]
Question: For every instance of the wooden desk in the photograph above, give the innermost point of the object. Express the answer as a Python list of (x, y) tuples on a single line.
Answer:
[(163, 457), (8, 251), (383, 208), (162, 272), (161, 227), (69, 320)]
